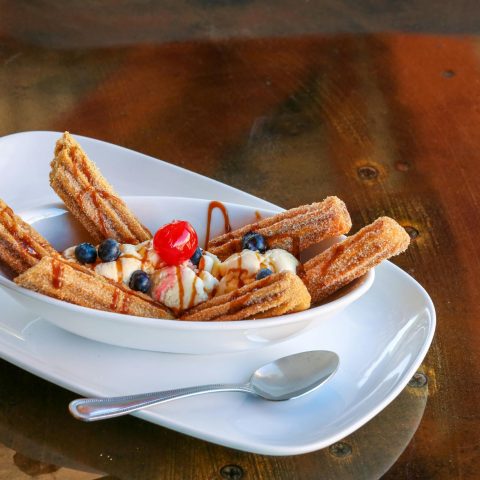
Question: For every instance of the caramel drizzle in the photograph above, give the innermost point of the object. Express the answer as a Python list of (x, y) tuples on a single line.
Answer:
[(57, 273), (181, 289), (125, 303), (11, 225), (95, 194), (144, 258), (143, 253), (191, 303), (258, 215), (120, 303), (241, 272), (115, 298), (128, 255), (119, 264), (226, 219)]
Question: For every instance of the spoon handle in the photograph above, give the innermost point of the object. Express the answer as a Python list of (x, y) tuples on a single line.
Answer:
[(91, 409)]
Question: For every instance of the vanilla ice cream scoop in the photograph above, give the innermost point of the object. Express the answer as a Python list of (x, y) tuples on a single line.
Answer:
[(241, 268), (179, 287)]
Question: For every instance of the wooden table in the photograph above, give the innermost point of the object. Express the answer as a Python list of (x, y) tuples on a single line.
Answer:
[(291, 102)]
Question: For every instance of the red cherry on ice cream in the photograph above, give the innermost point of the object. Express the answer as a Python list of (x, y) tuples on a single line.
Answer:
[(175, 242)]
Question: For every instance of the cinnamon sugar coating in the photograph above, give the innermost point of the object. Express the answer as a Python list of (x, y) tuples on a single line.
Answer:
[(344, 262), (293, 230), (90, 198), (274, 295), (21, 246), (75, 284)]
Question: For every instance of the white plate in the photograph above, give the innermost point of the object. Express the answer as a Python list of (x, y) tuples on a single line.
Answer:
[(175, 336), (381, 339)]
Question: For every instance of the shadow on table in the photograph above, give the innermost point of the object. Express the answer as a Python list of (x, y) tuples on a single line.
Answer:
[(46, 439)]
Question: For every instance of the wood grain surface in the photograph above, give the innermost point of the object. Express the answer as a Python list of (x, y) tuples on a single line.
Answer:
[(290, 104)]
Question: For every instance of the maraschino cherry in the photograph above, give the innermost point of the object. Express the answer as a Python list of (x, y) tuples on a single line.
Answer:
[(175, 242)]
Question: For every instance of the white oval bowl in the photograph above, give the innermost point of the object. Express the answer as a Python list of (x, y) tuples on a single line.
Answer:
[(59, 227)]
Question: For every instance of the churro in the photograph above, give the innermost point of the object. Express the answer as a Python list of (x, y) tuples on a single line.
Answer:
[(90, 198), (73, 283), (344, 262), (21, 246), (293, 230), (274, 295)]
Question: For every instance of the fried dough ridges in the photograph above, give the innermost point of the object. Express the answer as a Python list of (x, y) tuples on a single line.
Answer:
[(75, 284), (21, 246), (90, 198), (293, 230), (274, 295), (344, 262)]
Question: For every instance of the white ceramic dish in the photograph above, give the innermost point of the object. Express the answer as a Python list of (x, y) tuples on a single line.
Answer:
[(382, 338), (59, 227)]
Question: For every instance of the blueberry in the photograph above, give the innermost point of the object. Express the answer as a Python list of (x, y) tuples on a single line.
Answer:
[(109, 250), (254, 241), (140, 281), (264, 272), (86, 253), (195, 258)]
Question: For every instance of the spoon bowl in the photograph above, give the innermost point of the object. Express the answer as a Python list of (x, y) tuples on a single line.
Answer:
[(295, 375), (283, 379)]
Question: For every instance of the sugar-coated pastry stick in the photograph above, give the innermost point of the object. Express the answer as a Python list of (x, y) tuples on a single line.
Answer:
[(90, 198), (343, 262), (76, 284), (293, 230), (21, 246), (277, 294)]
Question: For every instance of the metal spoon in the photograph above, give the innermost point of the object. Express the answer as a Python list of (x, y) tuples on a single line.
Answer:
[(285, 378)]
